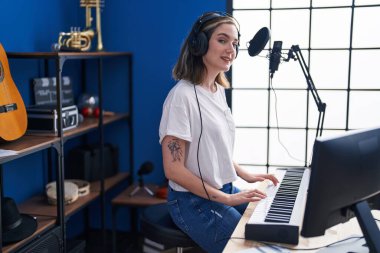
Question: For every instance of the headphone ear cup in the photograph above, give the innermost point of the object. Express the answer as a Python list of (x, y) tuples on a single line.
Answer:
[(198, 44), (237, 50)]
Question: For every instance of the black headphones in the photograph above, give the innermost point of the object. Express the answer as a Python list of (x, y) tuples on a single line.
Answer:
[(198, 40)]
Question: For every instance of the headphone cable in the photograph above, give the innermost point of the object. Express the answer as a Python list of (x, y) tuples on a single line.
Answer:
[(199, 167), (199, 140)]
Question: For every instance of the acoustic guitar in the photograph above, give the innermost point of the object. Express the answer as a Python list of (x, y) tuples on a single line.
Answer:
[(13, 117)]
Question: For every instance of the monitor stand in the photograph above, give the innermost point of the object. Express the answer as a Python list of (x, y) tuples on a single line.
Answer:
[(368, 225)]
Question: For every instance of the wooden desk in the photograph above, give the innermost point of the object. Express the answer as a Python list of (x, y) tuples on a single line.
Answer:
[(140, 199), (332, 235)]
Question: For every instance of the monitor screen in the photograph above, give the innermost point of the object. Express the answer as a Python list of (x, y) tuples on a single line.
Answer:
[(374, 202), (345, 171)]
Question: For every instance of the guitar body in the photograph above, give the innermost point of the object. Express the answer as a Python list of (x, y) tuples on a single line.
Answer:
[(13, 117)]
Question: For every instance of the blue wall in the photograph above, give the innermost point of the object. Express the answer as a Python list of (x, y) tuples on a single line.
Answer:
[(152, 30)]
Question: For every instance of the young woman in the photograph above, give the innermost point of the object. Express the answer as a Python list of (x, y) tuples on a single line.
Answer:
[(197, 134)]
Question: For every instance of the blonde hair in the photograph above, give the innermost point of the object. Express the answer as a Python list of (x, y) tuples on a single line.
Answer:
[(191, 67)]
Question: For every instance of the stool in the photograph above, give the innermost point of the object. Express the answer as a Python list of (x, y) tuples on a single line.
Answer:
[(157, 225)]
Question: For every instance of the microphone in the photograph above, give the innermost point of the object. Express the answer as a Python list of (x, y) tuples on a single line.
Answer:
[(146, 168), (275, 57), (258, 42)]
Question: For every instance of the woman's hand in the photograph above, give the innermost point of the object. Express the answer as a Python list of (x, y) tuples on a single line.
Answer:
[(244, 197), (261, 177), (253, 178)]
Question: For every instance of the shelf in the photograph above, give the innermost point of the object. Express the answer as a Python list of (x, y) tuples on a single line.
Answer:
[(110, 182), (35, 142), (68, 55), (90, 124), (46, 214), (38, 205), (43, 223), (26, 145), (50, 216)]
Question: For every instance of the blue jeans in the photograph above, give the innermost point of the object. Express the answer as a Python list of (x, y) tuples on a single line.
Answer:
[(210, 224)]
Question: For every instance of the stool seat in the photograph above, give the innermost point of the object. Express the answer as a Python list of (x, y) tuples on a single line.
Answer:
[(157, 225)]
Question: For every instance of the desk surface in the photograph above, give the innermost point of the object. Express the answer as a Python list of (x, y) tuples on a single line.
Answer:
[(332, 235), (141, 198)]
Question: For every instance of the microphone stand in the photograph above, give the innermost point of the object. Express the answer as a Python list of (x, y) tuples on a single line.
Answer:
[(141, 186), (296, 54)]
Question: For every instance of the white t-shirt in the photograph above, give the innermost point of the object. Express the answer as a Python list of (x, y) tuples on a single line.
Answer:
[(180, 118)]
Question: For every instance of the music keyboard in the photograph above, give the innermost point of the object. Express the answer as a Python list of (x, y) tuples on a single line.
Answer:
[(278, 217)]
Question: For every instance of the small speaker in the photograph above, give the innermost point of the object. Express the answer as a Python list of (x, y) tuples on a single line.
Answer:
[(49, 242), (84, 162)]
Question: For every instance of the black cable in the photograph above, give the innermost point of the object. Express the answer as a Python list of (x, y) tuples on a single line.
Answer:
[(328, 245), (199, 141), (277, 125), (199, 167), (284, 247), (200, 173)]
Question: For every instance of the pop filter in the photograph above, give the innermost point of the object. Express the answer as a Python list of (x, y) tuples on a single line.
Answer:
[(258, 42)]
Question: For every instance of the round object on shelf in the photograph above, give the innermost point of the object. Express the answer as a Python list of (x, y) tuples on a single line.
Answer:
[(71, 192), (83, 186), (88, 100)]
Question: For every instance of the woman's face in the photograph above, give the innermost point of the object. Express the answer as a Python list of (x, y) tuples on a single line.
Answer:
[(221, 49)]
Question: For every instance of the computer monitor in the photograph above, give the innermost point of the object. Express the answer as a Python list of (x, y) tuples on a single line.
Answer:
[(374, 202), (345, 172)]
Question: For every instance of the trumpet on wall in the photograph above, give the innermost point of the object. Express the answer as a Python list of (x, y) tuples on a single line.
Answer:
[(89, 5), (77, 40)]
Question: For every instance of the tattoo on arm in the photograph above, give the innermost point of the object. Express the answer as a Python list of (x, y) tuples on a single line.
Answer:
[(175, 149)]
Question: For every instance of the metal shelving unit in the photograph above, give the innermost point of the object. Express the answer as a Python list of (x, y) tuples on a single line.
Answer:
[(49, 217)]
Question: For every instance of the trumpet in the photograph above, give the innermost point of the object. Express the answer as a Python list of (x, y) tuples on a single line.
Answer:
[(97, 4), (76, 39)]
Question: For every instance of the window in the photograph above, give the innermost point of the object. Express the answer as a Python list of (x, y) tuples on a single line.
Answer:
[(338, 39)]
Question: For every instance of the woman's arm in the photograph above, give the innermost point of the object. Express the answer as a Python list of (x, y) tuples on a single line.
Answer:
[(173, 152), (252, 178)]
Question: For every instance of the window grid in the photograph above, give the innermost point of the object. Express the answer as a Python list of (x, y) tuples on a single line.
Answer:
[(307, 52)]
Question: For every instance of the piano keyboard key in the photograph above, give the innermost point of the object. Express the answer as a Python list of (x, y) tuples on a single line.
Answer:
[(291, 179), (281, 212)]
